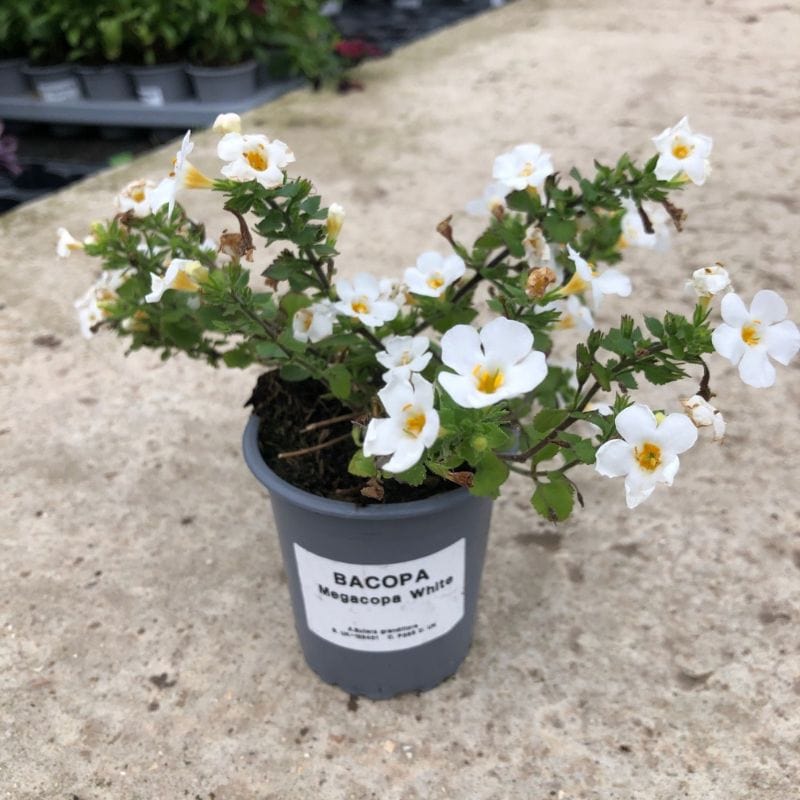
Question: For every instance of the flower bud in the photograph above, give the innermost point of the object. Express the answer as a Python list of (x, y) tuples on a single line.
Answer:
[(228, 123), (444, 228), (334, 222), (709, 281)]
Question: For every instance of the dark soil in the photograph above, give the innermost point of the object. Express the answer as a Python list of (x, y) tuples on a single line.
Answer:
[(285, 408)]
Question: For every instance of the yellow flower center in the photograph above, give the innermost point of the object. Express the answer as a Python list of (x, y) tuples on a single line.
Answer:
[(256, 159), (488, 381), (405, 358), (527, 170), (436, 281), (415, 422), (565, 322), (360, 306), (750, 335), (306, 318), (681, 150), (194, 179), (648, 456), (137, 195), (184, 283), (576, 284)]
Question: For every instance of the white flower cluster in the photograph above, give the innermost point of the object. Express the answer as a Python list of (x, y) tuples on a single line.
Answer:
[(497, 362)]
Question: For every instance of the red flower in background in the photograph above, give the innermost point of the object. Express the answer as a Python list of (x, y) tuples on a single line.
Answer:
[(357, 49)]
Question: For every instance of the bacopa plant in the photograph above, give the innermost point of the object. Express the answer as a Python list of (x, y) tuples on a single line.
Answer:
[(432, 393)]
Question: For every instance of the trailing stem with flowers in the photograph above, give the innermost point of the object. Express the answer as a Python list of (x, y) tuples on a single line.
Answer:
[(428, 396)]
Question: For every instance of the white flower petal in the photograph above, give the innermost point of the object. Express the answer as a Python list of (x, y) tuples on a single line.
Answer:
[(423, 391), (676, 433), (768, 307), (381, 437), (728, 342), (462, 389), (506, 340), (395, 396), (614, 459), (409, 451), (366, 284), (612, 281), (637, 489), (636, 424), (669, 469), (782, 341), (755, 368), (733, 311), (461, 349), (524, 376)]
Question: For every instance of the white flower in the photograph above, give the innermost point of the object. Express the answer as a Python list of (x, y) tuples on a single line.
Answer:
[(67, 243), (708, 281), (703, 414), (253, 157), (313, 323), (92, 308), (182, 275), (611, 281), (749, 337), (392, 291), (647, 453), (334, 222), (682, 153), (227, 123), (494, 365), (135, 198), (362, 299), (434, 273), (525, 166), (633, 232), (403, 355), (184, 175), (574, 314), (492, 201), (412, 425)]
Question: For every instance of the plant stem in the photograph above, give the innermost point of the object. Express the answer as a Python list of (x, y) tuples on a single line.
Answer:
[(314, 448), (325, 423)]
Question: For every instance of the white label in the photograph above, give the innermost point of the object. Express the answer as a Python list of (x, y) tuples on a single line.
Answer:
[(61, 91), (151, 95), (383, 607)]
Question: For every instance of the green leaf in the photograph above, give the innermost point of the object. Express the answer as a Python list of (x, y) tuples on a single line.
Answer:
[(490, 474), (414, 476), (603, 376), (546, 453), (362, 466), (293, 372), (554, 500), (549, 418), (339, 380), (557, 229), (270, 350), (654, 326), (240, 357)]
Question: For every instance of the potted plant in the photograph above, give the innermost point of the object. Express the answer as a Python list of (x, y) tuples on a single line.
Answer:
[(390, 417), (49, 73), (14, 44), (154, 45), (221, 49), (95, 47)]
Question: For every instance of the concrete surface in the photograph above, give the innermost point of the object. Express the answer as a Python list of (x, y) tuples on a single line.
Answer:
[(147, 648)]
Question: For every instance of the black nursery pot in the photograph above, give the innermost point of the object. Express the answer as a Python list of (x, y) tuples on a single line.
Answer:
[(384, 596)]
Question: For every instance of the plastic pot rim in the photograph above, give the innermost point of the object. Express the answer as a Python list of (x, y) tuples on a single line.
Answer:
[(338, 508)]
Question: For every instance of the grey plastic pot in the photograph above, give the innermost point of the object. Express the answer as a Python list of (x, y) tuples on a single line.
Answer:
[(54, 84), (162, 83), (109, 82), (12, 82), (220, 84), (384, 596)]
